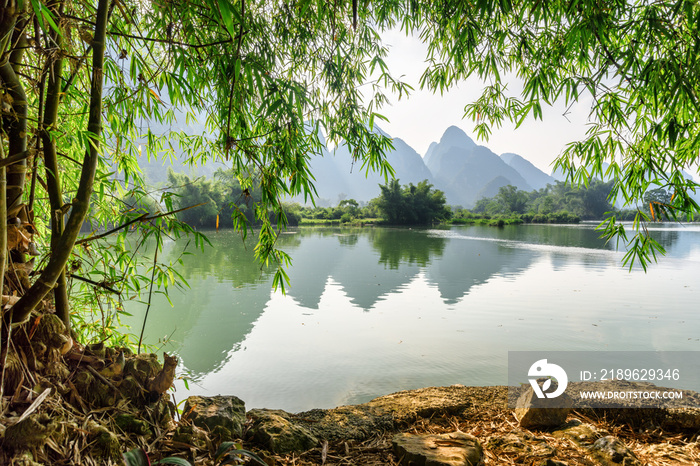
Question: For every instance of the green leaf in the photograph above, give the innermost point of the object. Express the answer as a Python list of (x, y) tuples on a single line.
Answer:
[(275, 105), (44, 16), (136, 457), (227, 13)]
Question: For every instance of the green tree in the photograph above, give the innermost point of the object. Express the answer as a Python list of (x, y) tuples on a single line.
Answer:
[(203, 197), (512, 199), (392, 203), (350, 207), (89, 87), (413, 204)]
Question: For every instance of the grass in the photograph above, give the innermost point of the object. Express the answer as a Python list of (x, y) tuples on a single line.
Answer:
[(337, 222)]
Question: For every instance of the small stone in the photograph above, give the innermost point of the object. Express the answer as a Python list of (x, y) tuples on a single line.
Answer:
[(210, 412), (612, 449), (542, 412), (275, 431), (453, 449)]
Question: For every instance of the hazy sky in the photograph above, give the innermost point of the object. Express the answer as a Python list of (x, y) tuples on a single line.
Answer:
[(424, 117)]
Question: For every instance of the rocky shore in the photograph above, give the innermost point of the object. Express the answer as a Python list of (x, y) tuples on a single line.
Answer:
[(457, 425), (89, 405)]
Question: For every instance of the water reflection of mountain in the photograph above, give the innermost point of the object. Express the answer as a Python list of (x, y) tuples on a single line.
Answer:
[(313, 260), (349, 257), (227, 294), (468, 261)]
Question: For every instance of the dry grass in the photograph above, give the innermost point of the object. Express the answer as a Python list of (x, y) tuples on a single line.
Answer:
[(653, 448)]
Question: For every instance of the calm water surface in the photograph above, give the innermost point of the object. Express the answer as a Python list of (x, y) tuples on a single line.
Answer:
[(376, 310)]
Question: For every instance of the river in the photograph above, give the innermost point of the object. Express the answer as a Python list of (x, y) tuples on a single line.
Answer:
[(371, 311)]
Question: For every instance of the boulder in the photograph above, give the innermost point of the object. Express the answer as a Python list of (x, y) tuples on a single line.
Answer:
[(542, 412), (391, 412), (274, 430), (211, 412), (453, 449)]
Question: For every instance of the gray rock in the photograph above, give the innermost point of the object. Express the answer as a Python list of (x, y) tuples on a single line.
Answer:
[(542, 412), (579, 432), (274, 430), (454, 449), (211, 412), (521, 444), (612, 449), (387, 413)]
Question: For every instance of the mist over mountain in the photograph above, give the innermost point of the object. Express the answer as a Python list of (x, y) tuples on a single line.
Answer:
[(462, 169), (532, 175), (338, 177)]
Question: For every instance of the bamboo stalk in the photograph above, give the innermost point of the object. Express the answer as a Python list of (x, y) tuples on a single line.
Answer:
[(53, 181), (3, 261), (60, 252)]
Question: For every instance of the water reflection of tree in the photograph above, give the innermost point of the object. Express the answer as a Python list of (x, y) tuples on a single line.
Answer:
[(348, 239), (666, 238), (397, 246), (229, 258), (227, 294)]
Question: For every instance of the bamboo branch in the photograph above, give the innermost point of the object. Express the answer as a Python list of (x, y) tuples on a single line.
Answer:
[(140, 218), (150, 292), (94, 283), (16, 128), (17, 157)]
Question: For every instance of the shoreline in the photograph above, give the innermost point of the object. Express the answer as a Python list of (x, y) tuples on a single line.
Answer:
[(482, 413)]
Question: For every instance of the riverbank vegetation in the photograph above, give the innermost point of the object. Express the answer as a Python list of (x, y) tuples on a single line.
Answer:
[(220, 198)]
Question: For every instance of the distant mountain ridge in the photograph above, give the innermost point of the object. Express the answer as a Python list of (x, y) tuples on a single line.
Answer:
[(533, 175), (462, 169)]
